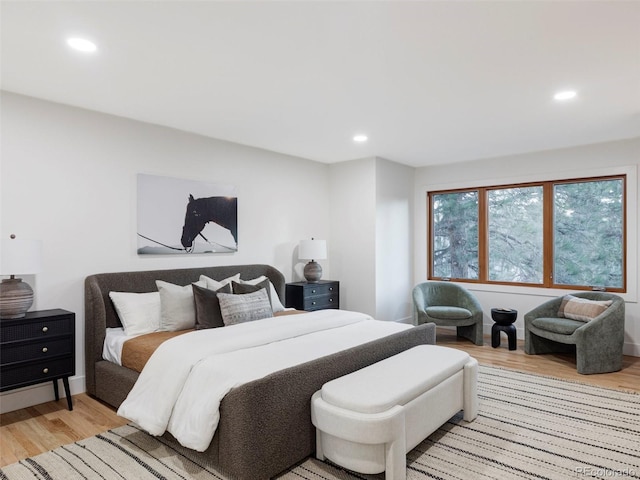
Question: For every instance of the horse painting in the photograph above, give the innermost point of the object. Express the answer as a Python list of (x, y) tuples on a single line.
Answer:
[(222, 211)]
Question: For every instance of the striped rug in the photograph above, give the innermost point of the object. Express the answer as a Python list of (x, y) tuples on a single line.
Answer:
[(529, 427)]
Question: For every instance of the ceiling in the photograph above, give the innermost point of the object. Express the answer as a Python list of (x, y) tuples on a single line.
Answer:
[(428, 82)]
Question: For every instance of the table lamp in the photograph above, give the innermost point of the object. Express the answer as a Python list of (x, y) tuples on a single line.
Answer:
[(311, 250), (17, 257)]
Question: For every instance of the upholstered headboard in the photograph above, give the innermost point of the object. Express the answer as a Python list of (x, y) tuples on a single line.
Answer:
[(100, 313)]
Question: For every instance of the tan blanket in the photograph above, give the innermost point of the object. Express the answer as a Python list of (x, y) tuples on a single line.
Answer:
[(137, 351)]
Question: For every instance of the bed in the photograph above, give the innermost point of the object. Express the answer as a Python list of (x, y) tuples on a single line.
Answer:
[(265, 425)]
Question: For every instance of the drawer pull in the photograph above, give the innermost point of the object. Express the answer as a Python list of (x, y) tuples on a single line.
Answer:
[(313, 303), (331, 289), (45, 370), (331, 299), (313, 291), (45, 349), (45, 329)]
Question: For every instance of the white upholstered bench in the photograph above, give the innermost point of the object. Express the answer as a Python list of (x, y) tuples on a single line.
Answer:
[(368, 420)]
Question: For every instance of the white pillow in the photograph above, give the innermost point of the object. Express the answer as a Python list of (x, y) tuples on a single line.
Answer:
[(177, 307), (139, 312), (212, 284), (276, 304)]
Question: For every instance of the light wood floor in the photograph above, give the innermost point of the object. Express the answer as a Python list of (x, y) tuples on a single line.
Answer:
[(33, 430), (554, 365), (30, 431)]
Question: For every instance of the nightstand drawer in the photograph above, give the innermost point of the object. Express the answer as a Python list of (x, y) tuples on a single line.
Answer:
[(321, 302), (321, 289), (39, 329), (36, 372), (41, 349)]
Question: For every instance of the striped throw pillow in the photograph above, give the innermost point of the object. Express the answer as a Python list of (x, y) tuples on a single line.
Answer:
[(582, 309), (244, 308)]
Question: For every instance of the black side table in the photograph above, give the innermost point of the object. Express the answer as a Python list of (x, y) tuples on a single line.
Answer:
[(313, 296), (503, 318), (40, 347)]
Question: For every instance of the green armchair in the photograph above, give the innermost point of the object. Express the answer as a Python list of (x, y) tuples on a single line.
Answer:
[(448, 304), (597, 343)]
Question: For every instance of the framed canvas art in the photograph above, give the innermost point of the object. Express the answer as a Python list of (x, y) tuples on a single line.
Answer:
[(177, 216)]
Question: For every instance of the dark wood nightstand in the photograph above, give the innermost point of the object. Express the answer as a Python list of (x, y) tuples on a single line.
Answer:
[(313, 296), (37, 348)]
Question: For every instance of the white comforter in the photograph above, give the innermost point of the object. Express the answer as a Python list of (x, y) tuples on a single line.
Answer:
[(184, 381)]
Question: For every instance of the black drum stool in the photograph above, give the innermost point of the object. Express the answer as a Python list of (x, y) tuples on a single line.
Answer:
[(504, 318)]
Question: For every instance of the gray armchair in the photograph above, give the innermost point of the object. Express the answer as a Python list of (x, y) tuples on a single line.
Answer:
[(597, 343), (448, 304)]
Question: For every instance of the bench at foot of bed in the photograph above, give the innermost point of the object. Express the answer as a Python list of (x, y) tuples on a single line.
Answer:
[(368, 420)]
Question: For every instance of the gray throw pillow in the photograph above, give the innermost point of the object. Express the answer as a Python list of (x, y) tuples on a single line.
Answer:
[(242, 288), (208, 313), (177, 309), (276, 304), (244, 308)]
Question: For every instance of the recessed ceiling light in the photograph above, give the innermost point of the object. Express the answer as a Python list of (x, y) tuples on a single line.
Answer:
[(82, 45), (360, 138), (565, 95)]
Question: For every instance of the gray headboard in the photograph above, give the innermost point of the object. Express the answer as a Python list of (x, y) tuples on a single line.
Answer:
[(100, 313)]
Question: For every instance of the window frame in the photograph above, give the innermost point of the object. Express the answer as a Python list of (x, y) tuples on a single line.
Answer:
[(548, 228)]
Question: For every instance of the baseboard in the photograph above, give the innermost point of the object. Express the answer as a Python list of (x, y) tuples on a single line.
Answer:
[(632, 349), (37, 394)]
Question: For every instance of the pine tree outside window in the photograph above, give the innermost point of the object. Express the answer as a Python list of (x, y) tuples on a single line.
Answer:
[(560, 234)]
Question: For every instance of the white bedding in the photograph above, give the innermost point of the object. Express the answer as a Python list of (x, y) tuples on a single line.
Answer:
[(113, 342), (183, 397)]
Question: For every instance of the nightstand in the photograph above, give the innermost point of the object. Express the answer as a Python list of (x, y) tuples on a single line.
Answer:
[(37, 348), (313, 296)]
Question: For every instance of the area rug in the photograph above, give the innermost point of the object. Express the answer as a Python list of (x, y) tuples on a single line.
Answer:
[(528, 427)]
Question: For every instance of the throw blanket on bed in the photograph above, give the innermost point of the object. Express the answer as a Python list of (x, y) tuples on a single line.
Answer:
[(137, 351), (183, 383)]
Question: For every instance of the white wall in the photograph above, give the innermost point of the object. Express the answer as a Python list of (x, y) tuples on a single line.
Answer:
[(372, 235), (353, 232), (590, 160), (394, 241), (69, 179)]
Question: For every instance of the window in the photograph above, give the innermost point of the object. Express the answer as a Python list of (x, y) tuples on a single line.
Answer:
[(561, 234), (455, 235), (588, 235), (515, 234)]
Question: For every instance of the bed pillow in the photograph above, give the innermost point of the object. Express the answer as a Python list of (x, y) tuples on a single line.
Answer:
[(585, 310), (139, 313), (276, 304), (244, 308), (243, 288), (212, 284), (177, 307), (208, 313)]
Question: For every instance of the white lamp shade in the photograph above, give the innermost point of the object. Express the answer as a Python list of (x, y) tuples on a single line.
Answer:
[(312, 249), (20, 257)]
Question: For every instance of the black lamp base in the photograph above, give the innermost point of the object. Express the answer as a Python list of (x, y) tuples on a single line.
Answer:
[(16, 297), (312, 272)]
